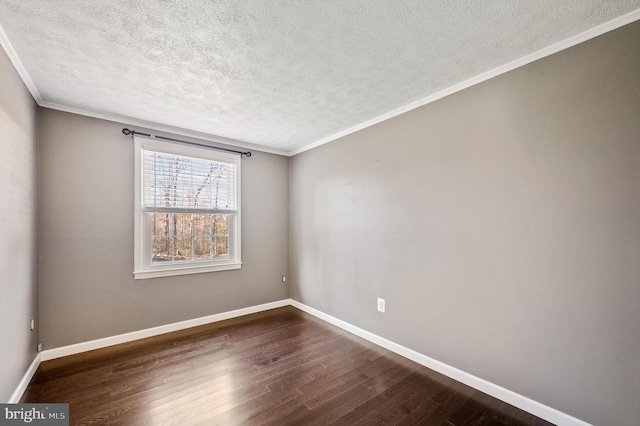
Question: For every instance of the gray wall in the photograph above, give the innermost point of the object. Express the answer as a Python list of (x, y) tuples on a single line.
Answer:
[(87, 290), (18, 264), (501, 224)]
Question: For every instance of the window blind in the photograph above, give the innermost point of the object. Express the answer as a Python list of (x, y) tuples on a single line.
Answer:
[(180, 184)]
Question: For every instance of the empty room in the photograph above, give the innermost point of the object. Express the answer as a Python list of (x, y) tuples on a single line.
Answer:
[(320, 212)]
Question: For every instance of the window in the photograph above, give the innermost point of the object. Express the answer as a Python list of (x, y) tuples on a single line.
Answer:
[(187, 217)]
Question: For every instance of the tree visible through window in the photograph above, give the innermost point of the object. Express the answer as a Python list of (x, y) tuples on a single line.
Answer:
[(179, 237)]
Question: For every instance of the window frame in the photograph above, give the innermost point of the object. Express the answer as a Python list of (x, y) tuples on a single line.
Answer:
[(143, 266)]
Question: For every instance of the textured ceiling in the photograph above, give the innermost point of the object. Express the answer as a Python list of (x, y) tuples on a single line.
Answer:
[(278, 74)]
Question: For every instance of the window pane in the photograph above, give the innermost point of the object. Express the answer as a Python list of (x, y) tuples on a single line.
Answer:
[(202, 224), (220, 224), (161, 249), (173, 240), (180, 181), (221, 249), (182, 249), (202, 248), (162, 224), (183, 224)]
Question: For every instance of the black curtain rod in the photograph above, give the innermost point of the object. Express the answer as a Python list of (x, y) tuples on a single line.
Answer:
[(133, 132)]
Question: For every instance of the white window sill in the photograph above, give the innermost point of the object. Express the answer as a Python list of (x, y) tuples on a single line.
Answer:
[(184, 270)]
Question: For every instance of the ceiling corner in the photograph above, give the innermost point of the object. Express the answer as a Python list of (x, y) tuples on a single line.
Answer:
[(17, 64)]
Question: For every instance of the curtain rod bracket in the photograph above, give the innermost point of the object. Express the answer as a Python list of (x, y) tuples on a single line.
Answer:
[(128, 132)]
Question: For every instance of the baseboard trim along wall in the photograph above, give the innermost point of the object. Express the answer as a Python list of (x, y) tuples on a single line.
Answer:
[(155, 331), (22, 386), (545, 412), (129, 337)]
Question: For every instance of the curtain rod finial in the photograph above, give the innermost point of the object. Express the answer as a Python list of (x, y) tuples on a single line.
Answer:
[(126, 131)]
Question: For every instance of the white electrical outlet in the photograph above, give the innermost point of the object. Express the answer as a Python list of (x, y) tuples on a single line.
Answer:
[(32, 324), (381, 305), (284, 278)]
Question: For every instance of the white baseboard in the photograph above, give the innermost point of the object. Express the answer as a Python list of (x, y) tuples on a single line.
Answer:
[(543, 411), (135, 335), (22, 386), (155, 331)]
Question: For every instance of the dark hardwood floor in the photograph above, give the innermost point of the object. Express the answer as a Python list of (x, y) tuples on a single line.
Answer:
[(278, 367)]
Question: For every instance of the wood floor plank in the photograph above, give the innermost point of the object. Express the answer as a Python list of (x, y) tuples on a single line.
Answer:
[(332, 411), (279, 367)]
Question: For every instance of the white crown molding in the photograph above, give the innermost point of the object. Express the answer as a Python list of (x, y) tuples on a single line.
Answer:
[(26, 79), (543, 411), (17, 64), (155, 331), (26, 379), (542, 53), (150, 125)]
